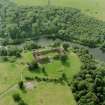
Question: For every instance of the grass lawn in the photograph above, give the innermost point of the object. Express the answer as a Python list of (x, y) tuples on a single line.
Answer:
[(56, 68), (10, 73), (44, 94), (91, 7)]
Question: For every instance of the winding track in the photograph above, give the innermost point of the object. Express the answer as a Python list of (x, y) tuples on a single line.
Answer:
[(11, 88)]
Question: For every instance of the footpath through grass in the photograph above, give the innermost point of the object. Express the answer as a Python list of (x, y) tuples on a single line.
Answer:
[(44, 93)]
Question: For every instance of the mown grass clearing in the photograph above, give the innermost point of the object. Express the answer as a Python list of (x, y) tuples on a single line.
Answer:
[(72, 67), (10, 73), (43, 94), (56, 68)]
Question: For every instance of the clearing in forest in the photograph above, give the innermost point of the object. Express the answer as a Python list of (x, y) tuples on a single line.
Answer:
[(46, 93)]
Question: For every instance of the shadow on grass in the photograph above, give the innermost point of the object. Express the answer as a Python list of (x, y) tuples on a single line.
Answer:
[(35, 70), (66, 63)]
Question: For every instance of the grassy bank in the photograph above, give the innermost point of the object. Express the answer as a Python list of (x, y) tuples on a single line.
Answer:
[(44, 93), (91, 7)]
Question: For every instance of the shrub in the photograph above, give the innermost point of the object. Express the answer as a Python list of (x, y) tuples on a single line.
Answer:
[(22, 103), (66, 46), (21, 85), (16, 97), (32, 66)]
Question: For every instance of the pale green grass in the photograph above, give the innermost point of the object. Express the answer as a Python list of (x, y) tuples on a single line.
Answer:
[(94, 8), (9, 75), (56, 68), (44, 94)]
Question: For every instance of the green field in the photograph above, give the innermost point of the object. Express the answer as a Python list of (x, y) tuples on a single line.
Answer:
[(46, 93), (55, 69), (91, 7), (43, 94), (10, 73)]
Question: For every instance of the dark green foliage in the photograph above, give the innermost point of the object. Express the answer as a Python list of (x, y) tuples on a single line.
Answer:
[(57, 43), (29, 45), (64, 77), (88, 85), (103, 47), (4, 58), (21, 85), (64, 58), (22, 103), (66, 46), (33, 66), (44, 71), (10, 51), (16, 97), (24, 23), (29, 78)]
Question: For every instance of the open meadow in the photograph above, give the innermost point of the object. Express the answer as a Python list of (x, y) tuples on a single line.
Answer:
[(45, 93)]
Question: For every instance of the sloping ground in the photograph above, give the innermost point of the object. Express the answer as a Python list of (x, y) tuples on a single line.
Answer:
[(44, 93), (71, 68), (9, 74), (91, 7)]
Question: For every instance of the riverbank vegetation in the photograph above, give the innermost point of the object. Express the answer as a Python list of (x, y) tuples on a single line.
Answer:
[(88, 85), (26, 23)]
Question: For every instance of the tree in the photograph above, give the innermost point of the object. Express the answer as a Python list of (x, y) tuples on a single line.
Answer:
[(44, 71), (12, 30), (33, 66), (66, 46), (103, 47), (64, 77), (64, 58), (22, 103), (16, 97), (3, 51), (21, 85)]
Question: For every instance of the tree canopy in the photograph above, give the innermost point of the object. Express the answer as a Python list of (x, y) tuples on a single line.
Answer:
[(66, 23)]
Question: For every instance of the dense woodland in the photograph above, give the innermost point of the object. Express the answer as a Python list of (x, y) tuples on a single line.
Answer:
[(20, 23), (89, 85)]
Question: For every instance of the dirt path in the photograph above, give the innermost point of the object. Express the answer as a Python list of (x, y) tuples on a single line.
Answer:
[(11, 88)]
